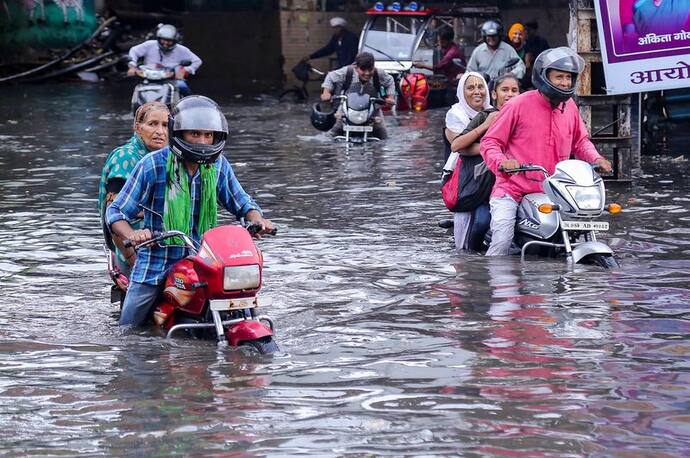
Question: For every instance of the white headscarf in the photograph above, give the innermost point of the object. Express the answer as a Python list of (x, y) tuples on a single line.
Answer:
[(460, 114), (338, 22)]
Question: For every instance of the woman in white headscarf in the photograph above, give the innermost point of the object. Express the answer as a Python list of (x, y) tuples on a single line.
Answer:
[(473, 97)]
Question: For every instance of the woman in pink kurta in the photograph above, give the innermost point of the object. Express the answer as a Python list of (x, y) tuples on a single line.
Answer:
[(541, 127)]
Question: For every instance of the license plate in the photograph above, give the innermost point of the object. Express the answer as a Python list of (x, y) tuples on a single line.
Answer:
[(585, 225), (222, 305), (358, 128)]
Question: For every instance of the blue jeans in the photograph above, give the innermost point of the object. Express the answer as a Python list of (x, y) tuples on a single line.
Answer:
[(471, 227), (183, 87), (481, 220), (138, 303)]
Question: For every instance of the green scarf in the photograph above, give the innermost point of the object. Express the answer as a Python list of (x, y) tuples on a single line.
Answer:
[(178, 206)]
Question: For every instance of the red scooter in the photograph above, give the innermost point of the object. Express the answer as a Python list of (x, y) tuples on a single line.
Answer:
[(213, 292)]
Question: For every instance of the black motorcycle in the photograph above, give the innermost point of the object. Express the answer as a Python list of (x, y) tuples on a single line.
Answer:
[(358, 111)]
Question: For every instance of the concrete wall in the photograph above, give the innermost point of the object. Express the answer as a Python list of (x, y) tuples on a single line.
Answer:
[(26, 26), (303, 32), (241, 51)]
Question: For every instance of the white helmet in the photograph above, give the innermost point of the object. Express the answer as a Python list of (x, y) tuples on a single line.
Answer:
[(166, 32)]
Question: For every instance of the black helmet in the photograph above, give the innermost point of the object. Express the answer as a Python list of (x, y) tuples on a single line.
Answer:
[(166, 32), (322, 120), (491, 27), (564, 59), (196, 112)]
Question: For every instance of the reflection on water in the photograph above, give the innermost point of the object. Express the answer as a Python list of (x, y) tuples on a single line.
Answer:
[(392, 344)]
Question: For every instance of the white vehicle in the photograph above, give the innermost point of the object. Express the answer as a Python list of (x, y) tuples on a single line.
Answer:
[(157, 85), (563, 220)]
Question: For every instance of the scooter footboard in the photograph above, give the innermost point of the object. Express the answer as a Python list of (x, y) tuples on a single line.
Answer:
[(247, 330), (587, 248)]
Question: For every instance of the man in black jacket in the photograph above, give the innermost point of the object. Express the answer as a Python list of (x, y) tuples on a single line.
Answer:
[(343, 43)]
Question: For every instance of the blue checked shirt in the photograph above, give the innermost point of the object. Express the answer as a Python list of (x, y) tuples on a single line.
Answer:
[(146, 187)]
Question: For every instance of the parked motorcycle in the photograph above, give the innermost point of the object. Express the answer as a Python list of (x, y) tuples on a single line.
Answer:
[(214, 291), (157, 85), (561, 220), (358, 112)]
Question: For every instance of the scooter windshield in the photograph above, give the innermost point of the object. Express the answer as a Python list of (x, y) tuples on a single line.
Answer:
[(357, 101)]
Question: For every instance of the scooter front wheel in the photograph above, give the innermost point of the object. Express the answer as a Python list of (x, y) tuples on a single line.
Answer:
[(264, 345), (607, 261)]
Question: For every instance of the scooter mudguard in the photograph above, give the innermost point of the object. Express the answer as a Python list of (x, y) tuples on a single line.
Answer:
[(587, 248), (247, 330)]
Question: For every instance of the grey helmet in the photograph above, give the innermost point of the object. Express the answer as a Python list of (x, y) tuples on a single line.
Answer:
[(167, 32), (563, 59), (491, 27), (196, 112)]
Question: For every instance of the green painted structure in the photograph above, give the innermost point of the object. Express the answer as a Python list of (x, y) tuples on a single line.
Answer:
[(44, 24)]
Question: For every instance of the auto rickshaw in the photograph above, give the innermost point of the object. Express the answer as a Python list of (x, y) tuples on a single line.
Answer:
[(398, 35)]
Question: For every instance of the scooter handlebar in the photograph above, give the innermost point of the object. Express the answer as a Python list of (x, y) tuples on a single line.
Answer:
[(159, 237), (524, 168), (254, 229)]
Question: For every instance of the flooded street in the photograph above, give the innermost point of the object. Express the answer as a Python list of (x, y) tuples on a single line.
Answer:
[(391, 344)]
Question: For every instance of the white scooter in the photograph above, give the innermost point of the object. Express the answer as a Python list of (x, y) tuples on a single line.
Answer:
[(157, 85), (562, 219)]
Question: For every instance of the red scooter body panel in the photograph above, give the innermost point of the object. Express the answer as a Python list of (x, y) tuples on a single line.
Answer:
[(182, 287), (247, 330), (194, 280)]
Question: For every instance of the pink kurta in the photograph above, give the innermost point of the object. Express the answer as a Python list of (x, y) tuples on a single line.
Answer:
[(531, 132)]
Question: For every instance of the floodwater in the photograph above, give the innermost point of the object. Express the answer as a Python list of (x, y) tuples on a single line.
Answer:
[(391, 344)]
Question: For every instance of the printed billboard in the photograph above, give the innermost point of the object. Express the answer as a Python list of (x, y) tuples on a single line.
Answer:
[(645, 44)]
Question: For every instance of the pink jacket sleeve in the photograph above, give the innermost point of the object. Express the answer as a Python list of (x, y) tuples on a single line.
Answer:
[(582, 147), (493, 144)]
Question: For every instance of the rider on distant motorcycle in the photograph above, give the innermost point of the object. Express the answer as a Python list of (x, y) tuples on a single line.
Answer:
[(491, 57), (541, 127), (165, 50), (179, 188), (363, 78)]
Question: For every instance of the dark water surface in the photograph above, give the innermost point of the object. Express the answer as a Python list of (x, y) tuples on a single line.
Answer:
[(391, 344)]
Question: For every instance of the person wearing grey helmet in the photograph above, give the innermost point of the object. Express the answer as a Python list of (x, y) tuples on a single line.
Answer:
[(495, 57), (178, 187), (168, 52), (541, 127)]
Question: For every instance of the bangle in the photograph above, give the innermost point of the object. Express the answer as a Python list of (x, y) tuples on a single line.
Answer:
[(456, 137)]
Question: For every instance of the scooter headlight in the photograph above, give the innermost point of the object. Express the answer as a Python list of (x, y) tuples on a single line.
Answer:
[(586, 197), (357, 117), (241, 277)]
